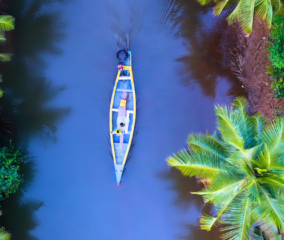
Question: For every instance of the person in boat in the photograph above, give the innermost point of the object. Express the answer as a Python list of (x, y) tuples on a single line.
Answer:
[(120, 66), (118, 132)]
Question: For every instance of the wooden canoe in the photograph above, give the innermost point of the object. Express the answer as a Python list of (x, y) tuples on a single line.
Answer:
[(122, 116)]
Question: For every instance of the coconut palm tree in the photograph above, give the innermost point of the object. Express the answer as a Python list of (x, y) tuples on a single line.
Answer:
[(243, 167), (245, 10)]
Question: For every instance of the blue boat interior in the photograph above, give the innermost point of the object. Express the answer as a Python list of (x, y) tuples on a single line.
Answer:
[(123, 86)]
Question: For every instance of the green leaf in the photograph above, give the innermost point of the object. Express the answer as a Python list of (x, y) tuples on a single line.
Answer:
[(199, 142), (239, 219), (4, 57), (6, 22), (228, 128), (207, 222), (263, 160), (2, 37), (200, 165), (204, 2), (243, 13), (220, 6)]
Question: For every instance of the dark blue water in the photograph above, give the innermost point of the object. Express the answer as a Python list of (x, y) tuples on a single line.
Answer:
[(58, 89)]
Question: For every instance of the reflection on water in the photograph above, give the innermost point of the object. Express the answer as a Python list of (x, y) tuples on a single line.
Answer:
[(183, 186), (157, 31), (18, 214), (27, 96), (185, 200), (206, 38), (126, 19), (27, 91)]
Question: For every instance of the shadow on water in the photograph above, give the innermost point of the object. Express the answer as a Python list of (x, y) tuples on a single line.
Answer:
[(207, 38), (183, 186), (27, 91), (18, 214), (184, 200), (27, 98)]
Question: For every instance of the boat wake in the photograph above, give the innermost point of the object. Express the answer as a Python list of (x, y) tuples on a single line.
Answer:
[(126, 20)]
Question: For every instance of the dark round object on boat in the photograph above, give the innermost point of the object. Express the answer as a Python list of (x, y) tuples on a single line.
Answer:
[(122, 124), (122, 55)]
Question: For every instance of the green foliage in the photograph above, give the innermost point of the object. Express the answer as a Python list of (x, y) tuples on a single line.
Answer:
[(10, 178), (1, 93), (5, 57), (243, 167), (2, 36), (7, 22), (276, 50), (4, 235), (245, 10)]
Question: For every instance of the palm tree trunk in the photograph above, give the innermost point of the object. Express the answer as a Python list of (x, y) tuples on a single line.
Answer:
[(282, 235)]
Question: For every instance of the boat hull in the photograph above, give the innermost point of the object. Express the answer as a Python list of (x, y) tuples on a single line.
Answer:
[(122, 117)]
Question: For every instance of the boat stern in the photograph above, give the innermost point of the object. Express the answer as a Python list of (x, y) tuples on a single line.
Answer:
[(118, 172)]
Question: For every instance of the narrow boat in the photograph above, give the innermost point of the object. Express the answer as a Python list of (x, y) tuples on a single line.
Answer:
[(122, 115)]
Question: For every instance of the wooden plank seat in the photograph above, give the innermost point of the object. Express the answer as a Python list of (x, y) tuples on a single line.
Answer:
[(124, 90), (124, 78)]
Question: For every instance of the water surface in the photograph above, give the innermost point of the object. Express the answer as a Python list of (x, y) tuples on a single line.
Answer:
[(59, 85)]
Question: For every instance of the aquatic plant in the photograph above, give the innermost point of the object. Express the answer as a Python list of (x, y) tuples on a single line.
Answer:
[(241, 166), (10, 178), (245, 10)]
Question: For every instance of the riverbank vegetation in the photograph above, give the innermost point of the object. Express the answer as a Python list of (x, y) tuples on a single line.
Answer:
[(10, 159), (241, 166), (276, 50), (245, 10)]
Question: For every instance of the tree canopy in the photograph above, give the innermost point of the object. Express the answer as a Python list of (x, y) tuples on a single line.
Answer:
[(243, 165), (245, 10)]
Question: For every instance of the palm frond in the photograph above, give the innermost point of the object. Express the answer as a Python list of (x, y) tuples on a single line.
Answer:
[(242, 104), (242, 162), (245, 123), (259, 124), (202, 165), (264, 10), (7, 22), (2, 36), (4, 57), (4, 235), (274, 133), (277, 6), (217, 136), (257, 233), (273, 136), (270, 211), (273, 180), (263, 161), (207, 222), (223, 209), (204, 2), (243, 13), (223, 193), (228, 128), (238, 217), (220, 6), (199, 142)]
